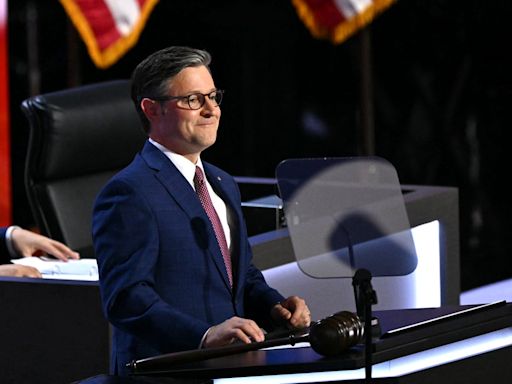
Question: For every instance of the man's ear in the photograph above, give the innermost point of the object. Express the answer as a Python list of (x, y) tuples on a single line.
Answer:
[(151, 108)]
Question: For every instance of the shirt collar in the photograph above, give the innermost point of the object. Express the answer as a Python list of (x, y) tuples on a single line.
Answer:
[(184, 165)]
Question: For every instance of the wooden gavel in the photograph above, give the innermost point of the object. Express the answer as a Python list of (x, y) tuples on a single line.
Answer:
[(328, 337)]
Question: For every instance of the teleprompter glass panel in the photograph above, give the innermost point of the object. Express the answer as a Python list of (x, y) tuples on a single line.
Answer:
[(344, 214)]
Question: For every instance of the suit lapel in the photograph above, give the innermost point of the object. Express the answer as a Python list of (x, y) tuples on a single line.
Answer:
[(181, 191), (172, 180)]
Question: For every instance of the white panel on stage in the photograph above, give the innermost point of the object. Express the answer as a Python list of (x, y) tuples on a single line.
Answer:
[(419, 289)]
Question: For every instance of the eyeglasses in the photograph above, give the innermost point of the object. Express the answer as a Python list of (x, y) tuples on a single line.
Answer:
[(195, 100)]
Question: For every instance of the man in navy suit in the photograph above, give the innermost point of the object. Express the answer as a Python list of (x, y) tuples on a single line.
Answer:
[(16, 242), (164, 284)]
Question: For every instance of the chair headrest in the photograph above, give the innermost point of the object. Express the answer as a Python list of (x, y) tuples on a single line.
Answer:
[(67, 135)]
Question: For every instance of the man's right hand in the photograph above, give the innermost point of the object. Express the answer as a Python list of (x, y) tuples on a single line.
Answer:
[(231, 330)]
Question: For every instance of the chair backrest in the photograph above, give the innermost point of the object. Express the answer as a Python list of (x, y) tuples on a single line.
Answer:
[(79, 138)]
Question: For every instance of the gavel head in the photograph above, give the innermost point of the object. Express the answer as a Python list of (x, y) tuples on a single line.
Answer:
[(336, 333)]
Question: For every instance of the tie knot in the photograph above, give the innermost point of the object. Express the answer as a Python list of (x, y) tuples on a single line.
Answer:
[(199, 177)]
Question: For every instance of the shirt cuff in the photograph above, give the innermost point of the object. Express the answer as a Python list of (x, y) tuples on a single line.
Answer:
[(201, 344), (8, 241)]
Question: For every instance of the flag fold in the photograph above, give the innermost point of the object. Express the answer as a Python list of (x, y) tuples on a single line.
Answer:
[(109, 28), (337, 20)]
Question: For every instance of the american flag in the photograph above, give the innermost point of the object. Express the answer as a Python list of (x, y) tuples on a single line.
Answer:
[(109, 28), (337, 20)]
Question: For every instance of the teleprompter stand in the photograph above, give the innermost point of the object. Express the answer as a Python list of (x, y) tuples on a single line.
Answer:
[(365, 297)]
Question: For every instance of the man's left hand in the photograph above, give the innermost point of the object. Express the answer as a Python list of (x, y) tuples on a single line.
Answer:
[(293, 311), (28, 243)]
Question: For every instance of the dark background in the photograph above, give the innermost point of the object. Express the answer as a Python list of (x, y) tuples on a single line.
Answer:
[(441, 83)]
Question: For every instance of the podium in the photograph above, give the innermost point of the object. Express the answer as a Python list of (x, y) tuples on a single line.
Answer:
[(51, 331), (453, 344)]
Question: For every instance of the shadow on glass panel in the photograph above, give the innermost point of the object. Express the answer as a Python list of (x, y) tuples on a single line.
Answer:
[(345, 214)]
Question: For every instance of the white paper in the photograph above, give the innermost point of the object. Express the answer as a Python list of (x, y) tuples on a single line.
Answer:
[(82, 269)]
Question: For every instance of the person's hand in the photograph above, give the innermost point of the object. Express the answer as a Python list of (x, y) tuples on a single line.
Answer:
[(293, 312), (231, 330), (18, 271), (27, 243)]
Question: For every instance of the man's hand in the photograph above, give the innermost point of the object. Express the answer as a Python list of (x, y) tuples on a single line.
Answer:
[(27, 243), (231, 330), (18, 271), (293, 311)]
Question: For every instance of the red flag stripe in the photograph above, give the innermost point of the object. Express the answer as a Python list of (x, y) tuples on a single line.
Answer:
[(327, 15), (101, 22)]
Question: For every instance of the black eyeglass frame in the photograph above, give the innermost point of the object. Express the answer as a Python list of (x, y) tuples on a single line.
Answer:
[(218, 99)]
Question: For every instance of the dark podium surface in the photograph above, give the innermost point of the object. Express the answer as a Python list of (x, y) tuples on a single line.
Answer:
[(51, 331), (405, 333)]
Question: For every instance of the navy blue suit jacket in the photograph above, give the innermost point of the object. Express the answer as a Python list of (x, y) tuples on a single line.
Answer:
[(162, 278)]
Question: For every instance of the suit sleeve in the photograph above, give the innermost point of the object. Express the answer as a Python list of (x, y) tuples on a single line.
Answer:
[(126, 243), (4, 253), (259, 297)]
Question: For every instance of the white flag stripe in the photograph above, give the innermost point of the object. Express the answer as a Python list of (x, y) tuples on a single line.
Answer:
[(361, 5), (125, 13), (350, 8)]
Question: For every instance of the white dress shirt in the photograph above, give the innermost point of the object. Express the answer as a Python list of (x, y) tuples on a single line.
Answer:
[(9, 242)]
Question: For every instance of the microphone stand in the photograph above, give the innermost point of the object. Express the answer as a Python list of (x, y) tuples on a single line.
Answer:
[(365, 297)]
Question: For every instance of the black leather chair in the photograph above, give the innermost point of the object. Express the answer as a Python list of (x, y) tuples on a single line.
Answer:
[(79, 138)]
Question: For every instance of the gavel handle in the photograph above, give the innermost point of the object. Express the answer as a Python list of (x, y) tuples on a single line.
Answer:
[(163, 362)]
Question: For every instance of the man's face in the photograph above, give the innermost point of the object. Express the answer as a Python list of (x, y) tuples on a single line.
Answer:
[(183, 130)]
